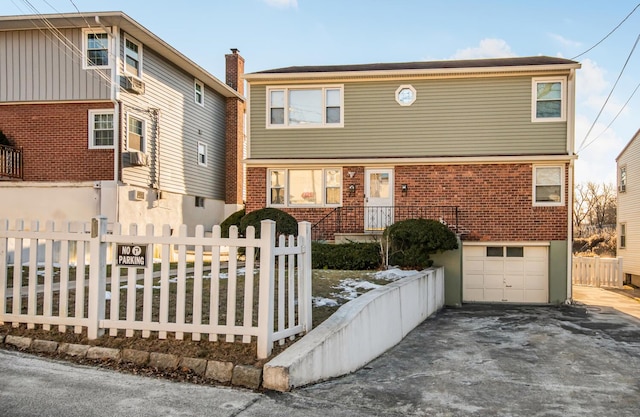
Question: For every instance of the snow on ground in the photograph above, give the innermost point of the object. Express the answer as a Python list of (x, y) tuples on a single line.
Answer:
[(349, 288), (394, 274), (322, 302)]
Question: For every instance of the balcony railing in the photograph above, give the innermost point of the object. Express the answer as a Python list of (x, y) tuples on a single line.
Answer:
[(10, 162), (372, 219)]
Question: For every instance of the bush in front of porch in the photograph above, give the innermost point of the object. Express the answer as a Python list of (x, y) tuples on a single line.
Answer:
[(410, 242)]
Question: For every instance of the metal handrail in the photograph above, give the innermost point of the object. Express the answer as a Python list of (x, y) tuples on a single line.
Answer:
[(11, 164)]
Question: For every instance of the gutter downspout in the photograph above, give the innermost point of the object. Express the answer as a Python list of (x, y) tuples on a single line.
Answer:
[(570, 148), (115, 98)]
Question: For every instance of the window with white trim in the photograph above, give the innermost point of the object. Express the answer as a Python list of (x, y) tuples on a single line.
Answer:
[(202, 154), (198, 88), (97, 48), (623, 236), (548, 185), (622, 186), (101, 129), (136, 134), (132, 57), (304, 187), (548, 100), (300, 107)]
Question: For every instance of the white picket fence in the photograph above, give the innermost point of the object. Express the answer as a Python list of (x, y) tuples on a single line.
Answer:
[(597, 272), (69, 273)]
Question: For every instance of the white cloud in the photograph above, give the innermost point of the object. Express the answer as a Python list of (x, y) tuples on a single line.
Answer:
[(596, 162), (282, 4), (488, 48), (590, 79), (564, 41)]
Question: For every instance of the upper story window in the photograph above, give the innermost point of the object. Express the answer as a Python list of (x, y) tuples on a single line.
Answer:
[(101, 129), (623, 236), (305, 187), (198, 87), (202, 154), (136, 134), (96, 48), (317, 106), (548, 185), (622, 186), (132, 57), (548, 100)]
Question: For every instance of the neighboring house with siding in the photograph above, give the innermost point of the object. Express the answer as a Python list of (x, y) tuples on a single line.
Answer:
[(105, 118), (628, 214), (485, 146)]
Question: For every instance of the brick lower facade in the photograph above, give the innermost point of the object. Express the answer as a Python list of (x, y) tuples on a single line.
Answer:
[(55, 141), (495, 201)]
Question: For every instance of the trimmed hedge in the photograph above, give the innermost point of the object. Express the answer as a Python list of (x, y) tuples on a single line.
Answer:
[(349, 256), (233, 220), (412, 241), (286, 224)]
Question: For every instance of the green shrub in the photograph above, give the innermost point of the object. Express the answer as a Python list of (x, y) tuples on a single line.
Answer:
[(410, 242), (233, 220), (286, 224), (350, 256)]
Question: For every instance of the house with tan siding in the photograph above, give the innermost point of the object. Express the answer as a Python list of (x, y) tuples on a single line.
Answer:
[(628, 214), (105, 118), (484, 146)]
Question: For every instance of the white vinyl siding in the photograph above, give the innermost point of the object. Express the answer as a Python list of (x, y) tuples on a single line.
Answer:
[(628, 212)]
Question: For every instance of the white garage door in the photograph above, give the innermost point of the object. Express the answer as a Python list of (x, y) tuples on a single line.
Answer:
[(511, 274)]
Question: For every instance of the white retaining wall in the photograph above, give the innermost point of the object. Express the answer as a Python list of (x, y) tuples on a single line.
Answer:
[(358, 332)]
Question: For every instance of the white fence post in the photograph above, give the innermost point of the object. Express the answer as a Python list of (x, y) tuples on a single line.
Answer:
[(267, 284), (4, 226), (304, 275), (97, 277), (620, 275)]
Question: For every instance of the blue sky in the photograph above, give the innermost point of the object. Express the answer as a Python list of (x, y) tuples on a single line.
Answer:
[(278, 33)]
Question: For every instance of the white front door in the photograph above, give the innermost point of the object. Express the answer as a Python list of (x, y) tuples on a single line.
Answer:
[(378, 199)]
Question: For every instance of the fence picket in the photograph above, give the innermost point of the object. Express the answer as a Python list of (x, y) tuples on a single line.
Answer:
[(80, 277), (597, 272), (291, 263), (17, 272), (63, 260), (164, 282), (147, 296), (132, 281), (33, 274), (248, 283), (232, 283), (281, 286), (197, 283), (181, 292), (214, 292), (4, 226), (114, 313)]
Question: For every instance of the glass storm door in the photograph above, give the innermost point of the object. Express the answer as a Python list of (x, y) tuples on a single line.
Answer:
[(378, 199)]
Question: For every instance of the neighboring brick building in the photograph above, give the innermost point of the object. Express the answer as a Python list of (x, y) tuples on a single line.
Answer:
[(485, 146), (110, 120)]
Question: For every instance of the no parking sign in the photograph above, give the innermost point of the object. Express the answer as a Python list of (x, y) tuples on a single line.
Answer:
[(131, 255)]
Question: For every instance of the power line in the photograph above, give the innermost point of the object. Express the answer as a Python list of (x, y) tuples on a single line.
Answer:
[(614, 119), (609, 34), (610, 94)]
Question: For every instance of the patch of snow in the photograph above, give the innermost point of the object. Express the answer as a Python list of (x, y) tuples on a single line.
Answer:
[(138, 286), (394, 274), (322, 302), (107, 295), (349, 288)]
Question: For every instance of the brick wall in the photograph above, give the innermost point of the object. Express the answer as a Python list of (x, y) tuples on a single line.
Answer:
[(55, 141), (494, 201)]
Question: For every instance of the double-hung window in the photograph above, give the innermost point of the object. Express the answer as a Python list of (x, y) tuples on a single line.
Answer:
[(101, 129), (622, 186), (202, 154), (623, 235), (135, 134), (96, 49), (305, 187), (548, 185), (299, 107), (548, 100), (198, 89), (132, 57)]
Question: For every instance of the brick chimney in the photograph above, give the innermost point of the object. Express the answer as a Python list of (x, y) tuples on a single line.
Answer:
[(234, 129)]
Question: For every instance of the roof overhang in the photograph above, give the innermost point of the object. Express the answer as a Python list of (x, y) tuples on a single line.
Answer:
[(105, 20)]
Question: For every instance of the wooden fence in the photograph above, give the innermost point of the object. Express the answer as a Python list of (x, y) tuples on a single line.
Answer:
[(597, 272), (59, 277)]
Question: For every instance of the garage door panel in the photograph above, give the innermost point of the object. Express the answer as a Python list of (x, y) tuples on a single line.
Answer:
[(514, 279)]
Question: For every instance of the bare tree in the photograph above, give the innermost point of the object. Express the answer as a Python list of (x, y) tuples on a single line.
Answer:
[(582, 207), (594, 205)]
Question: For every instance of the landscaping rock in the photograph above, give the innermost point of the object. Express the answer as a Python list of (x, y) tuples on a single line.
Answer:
[(247, 376), (2, 338), (138, 357), (219, 371), (46, 346), (73, 349), (199, 366), (163, 360), (18, 341), (96, 352)]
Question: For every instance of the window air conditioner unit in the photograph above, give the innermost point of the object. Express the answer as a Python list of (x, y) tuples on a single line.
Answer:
[(133, 85), (138, 195), (137, 159)]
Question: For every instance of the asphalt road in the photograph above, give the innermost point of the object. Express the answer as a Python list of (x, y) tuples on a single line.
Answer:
[(473, 361)]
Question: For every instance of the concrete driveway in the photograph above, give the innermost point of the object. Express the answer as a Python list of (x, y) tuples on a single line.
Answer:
[(478, 360), (499, 361)]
